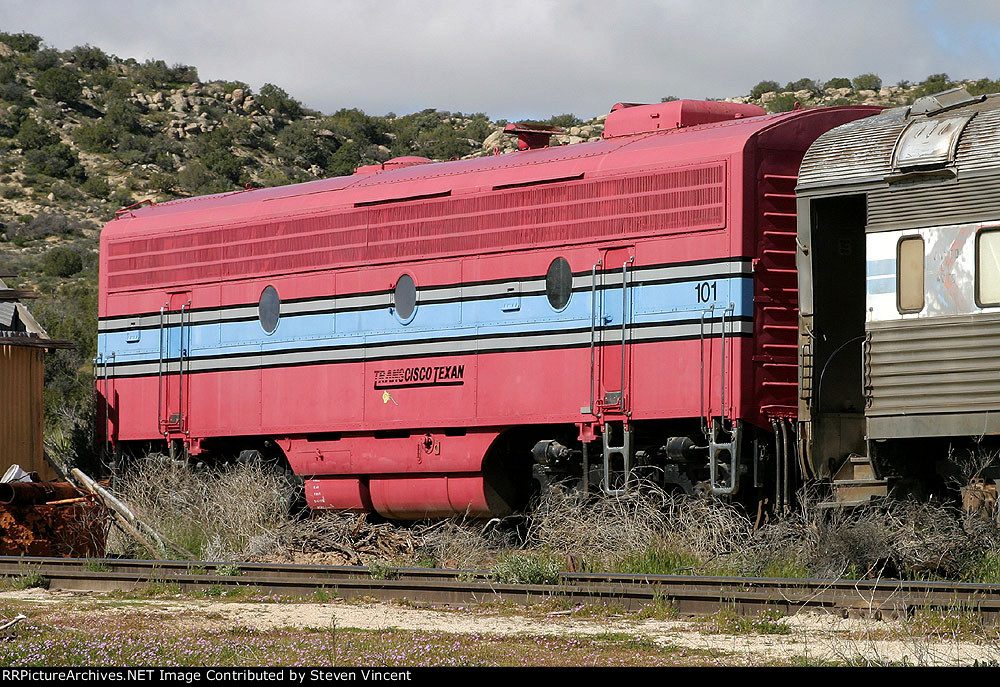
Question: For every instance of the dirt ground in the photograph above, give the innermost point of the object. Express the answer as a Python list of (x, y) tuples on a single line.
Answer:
[(813, 638)]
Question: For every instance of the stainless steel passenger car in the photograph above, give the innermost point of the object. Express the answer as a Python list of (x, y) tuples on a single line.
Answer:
[(898, 262)]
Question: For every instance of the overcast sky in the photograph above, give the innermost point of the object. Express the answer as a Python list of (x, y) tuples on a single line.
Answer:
[(520, 59)]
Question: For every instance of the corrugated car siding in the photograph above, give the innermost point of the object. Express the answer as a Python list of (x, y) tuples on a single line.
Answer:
[(947, 365), (21, 414), (971, 199)]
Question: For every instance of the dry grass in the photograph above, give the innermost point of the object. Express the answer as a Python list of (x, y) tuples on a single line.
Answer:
[(241, 514), (218, 514)]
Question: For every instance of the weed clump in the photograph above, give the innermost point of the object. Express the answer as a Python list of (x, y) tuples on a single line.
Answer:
[(522, 568)]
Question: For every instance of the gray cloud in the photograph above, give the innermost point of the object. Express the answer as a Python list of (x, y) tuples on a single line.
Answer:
[(524, 58)]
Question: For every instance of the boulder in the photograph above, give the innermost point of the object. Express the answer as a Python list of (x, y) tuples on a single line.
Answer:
[(178, 103), (493, 140)]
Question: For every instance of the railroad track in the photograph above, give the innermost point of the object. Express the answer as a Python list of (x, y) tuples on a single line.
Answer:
[(689, 594)]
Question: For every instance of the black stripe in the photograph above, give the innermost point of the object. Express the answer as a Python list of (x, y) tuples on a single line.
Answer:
[(419, 356), (403, 199), (362, 308), (450, 339), (439, 287)]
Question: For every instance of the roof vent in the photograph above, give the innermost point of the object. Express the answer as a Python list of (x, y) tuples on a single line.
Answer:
[(627, 119), (531, 135), (942, 101), (394, 163)]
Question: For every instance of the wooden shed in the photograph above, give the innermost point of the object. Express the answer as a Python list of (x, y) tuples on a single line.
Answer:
[(22, 357)]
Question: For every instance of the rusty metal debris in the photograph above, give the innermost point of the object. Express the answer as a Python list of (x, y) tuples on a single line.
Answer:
[(76, 529), (48, 518)]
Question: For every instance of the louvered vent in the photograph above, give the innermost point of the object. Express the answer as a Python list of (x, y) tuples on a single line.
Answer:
[(688, 199)]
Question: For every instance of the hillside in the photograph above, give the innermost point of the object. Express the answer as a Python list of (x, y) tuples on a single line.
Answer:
[(84, 133)]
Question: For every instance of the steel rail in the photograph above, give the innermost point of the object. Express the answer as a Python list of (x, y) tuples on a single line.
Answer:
[(688, 594)]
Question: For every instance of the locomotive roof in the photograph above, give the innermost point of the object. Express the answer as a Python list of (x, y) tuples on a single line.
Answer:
[(866, 152), (609, 156)]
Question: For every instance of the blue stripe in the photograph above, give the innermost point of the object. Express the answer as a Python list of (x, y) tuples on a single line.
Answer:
[(879, 285), (879, 268), (646, 304)]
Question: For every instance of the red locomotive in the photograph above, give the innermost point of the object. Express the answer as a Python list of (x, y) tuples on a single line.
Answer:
[(423, 339)]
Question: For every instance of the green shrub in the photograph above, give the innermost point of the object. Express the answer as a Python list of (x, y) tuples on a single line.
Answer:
[(88, 57), (983, 86), (764, 87), (803, 85), (273, 98), (16, 94), (21, 42), (866, 82), (59, 84), (122, 114), (8, 73), (121, 198), (102, 79), (563, 121), (783, 102), (62, 261), (935, 83), (479, 128), (156, 74), (195, 178), (298, 144), (99, 137), (97, 186), (34, 135), (838, 82), (45, 59), (57, 160), (44, 225)]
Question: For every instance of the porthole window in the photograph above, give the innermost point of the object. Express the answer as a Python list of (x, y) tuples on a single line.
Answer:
[(988, 268), (268, 309), (559, 283), (404, 298), (910, 274)]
